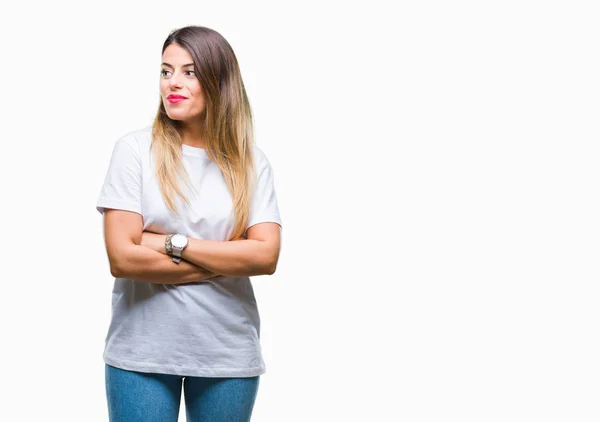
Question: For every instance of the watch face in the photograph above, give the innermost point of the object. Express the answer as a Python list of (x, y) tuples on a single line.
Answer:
[(179, 241)]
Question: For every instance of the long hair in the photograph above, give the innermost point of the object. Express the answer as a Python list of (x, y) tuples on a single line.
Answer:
[(226, 123)]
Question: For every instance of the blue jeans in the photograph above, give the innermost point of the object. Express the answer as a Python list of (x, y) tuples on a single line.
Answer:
[(148, 397)]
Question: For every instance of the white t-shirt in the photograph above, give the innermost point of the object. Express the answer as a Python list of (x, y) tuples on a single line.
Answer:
[(207, 329)]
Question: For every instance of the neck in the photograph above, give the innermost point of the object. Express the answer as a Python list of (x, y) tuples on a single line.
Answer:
[(192, 135)]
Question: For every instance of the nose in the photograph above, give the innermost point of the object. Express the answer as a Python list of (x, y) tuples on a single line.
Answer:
[(174, 81)]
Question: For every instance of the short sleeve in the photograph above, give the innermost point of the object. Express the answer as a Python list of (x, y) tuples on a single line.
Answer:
[(263, 206), (122, 187)]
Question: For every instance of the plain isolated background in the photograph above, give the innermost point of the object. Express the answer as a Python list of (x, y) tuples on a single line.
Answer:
[(436, 165)]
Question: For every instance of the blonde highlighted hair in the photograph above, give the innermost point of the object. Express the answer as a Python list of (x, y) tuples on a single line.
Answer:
[(226, 123)]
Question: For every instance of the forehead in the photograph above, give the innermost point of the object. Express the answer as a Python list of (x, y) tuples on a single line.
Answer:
[(176, 55)]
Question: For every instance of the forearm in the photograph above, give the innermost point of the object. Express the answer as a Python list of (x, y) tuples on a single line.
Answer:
[(237, 258), (141, 263)]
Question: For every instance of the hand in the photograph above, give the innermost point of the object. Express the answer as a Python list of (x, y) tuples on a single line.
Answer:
[(154, 241)]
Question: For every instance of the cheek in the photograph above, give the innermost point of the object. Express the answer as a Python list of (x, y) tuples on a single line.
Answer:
[(196, 90)]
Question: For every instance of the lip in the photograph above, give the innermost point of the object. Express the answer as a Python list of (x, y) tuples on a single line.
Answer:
[(174, 98)]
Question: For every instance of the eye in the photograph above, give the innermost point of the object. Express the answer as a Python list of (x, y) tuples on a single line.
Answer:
[(190, 71), (162, 72)]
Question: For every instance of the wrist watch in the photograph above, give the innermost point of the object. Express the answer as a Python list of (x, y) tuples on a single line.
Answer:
[(175, 244)]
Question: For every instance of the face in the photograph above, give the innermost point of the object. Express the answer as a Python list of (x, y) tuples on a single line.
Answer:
[(178, 79)]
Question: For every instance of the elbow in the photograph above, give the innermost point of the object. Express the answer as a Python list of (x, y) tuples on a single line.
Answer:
[(272, 267), (116, 269), (272, 263), (120, 263), (262, 268)]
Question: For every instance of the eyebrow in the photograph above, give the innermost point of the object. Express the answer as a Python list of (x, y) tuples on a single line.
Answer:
[(167, 64)]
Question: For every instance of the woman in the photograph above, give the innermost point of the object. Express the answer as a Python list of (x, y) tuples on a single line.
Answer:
[(190, 213)]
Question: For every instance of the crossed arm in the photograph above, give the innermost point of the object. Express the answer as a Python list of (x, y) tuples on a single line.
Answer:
[(141, 256)]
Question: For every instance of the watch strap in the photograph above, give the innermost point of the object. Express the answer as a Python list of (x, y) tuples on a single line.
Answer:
[(169, 245)]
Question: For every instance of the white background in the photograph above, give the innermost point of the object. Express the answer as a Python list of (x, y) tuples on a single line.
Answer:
[(436, 165)]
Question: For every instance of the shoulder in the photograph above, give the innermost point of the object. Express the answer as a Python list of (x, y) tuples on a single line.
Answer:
[(260, 159), (138, 140)]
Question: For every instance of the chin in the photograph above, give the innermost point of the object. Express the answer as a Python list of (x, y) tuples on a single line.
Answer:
[(176, 116)]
